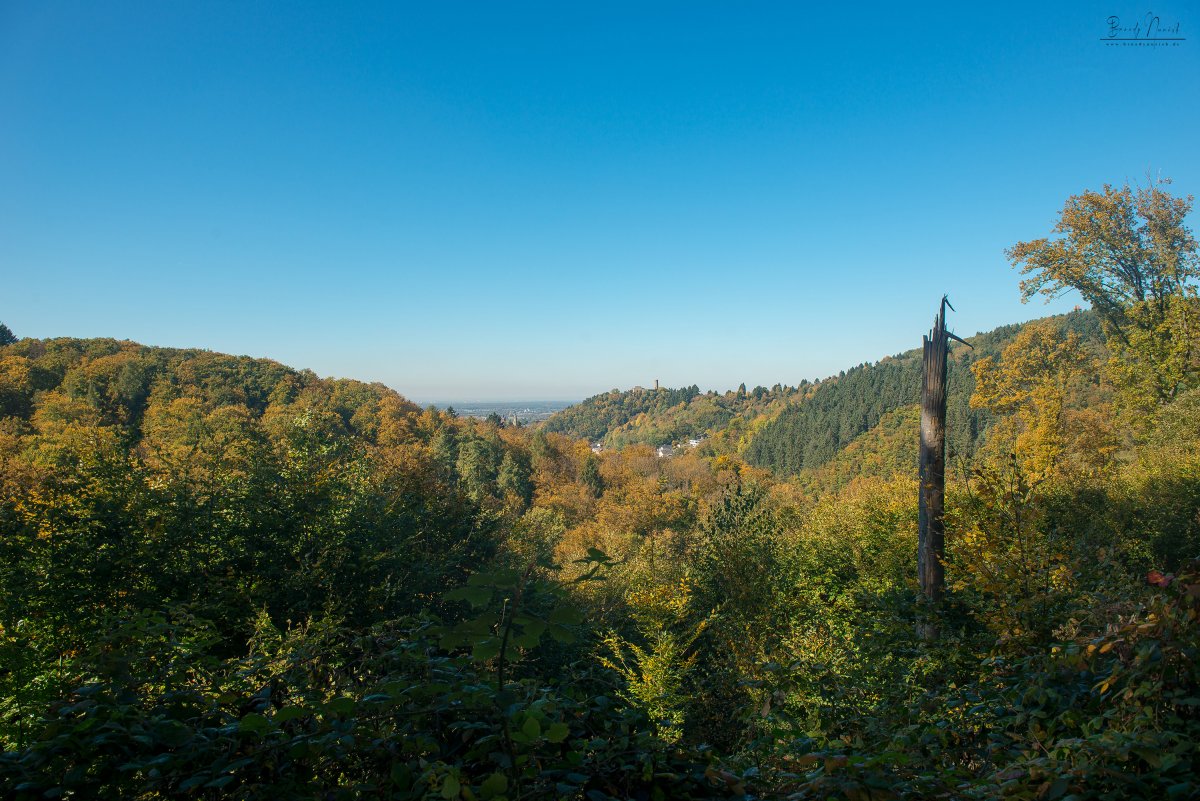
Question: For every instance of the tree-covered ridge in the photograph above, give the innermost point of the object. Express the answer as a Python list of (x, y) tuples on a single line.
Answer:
[(813, 430), (593, 418), (790, 430), (259, 582), (665, 416), (886, 450), (151, 463), (118, 378)]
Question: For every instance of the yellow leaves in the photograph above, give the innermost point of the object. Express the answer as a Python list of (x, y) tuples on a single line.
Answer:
[(1039, 361), (1001, 548), (724, 462), (654, 674), (1113, 246), (662, 604), (16, 380), (1157, 357), (1133, 258), (988, 384), (1062, 575), (1031, 386)]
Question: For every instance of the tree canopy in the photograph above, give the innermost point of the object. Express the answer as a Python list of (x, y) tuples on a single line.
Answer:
[(1129, 253)]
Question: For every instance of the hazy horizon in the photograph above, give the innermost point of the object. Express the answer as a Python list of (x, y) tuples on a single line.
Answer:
[(548, 201), (443, 402)]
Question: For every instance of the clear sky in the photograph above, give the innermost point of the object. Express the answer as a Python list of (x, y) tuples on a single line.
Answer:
[(520, 200)]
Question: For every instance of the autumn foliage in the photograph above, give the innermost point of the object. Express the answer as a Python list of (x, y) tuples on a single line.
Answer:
[(224, 578)]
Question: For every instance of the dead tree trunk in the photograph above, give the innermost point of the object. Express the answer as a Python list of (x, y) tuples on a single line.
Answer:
[(931, 532)]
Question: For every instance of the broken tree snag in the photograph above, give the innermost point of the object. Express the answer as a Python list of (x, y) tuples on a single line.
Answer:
[(931, 532)]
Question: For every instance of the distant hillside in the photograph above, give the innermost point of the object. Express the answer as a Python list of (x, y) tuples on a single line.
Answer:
[(811, 432), (120, 379), (594, 418), (887, 449), (663, 416), (789, 430)]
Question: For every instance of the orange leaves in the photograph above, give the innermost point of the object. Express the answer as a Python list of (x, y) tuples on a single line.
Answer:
[(1158, 579)]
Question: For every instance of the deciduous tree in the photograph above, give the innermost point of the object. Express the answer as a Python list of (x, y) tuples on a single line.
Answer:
[(1131, 255), (1028, 387)]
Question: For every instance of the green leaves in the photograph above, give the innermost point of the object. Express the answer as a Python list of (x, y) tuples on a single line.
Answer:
[(558, 732), (254, 723), (502, 578), (340, 706), (477, 597), (531, 632), (486, 649), (493, 786), (289, 713), (507, 622), (565, 614)]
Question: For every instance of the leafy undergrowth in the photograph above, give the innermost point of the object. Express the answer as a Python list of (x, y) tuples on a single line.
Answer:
[(1112, 716), (318, 712)]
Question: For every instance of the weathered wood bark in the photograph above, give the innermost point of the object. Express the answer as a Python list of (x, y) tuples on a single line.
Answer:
[(931, 532)]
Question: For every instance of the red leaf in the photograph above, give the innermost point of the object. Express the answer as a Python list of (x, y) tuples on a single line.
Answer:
[(1158, 579)]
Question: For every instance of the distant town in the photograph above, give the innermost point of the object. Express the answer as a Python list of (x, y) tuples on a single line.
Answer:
[(509, 411)]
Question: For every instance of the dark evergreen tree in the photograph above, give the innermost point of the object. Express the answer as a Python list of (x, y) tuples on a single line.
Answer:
[(516, 476), (590, 476), (811, 432)]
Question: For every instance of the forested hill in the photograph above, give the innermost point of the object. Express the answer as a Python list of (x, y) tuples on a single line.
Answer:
[(115, 382), (791, 429), (664, 416), (809, 433), (231, 486), (595, 417)]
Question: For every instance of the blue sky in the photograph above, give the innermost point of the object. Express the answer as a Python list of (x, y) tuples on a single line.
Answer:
[(519, 200)]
